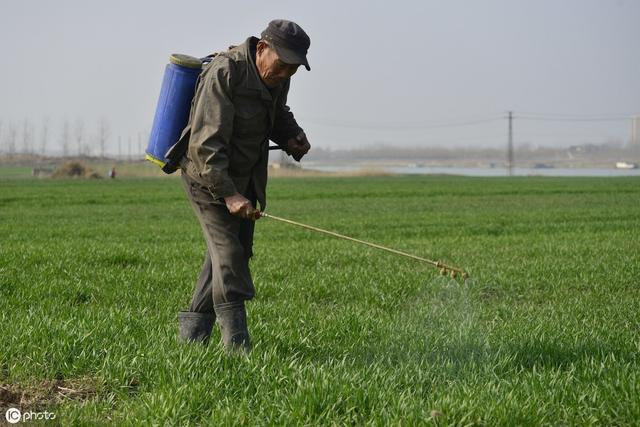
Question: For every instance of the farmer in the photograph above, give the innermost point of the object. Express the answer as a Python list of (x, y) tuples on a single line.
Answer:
[(239, 105)]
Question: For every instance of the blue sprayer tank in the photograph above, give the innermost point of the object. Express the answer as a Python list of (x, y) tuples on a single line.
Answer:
[(174, 104)]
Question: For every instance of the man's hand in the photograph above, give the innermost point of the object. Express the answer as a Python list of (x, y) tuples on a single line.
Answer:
[(240, 206), (299, 146)]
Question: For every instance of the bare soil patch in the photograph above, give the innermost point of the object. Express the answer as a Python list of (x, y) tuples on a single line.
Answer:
[(46, 393)]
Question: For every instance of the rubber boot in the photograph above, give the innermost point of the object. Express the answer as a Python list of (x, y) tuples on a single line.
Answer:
[(194, 326), (232, 319)]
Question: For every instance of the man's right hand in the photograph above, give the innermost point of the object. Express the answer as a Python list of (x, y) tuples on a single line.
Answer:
[(240, 206)]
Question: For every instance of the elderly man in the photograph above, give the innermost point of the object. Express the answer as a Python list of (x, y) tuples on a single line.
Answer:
[(239, 105)]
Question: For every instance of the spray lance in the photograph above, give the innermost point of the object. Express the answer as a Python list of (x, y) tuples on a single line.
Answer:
[(445, 270)]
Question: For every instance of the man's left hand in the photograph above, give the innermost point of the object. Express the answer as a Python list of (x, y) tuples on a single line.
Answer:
[(299, 146)]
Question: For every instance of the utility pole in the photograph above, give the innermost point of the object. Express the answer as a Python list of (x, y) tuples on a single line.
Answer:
[(510, 145)]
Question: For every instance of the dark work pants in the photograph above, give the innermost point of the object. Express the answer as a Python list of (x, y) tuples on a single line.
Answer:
[(225, 275)]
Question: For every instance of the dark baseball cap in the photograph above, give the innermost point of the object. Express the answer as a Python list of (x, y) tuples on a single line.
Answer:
[(289, 40)]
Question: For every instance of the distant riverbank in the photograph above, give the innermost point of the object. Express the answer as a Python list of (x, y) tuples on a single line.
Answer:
[(469, 171)]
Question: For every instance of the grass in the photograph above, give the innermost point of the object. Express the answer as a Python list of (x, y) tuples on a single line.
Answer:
[(546, 331)]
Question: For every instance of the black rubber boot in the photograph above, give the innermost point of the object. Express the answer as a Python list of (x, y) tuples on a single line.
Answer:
[(232, 318), (194, 326)]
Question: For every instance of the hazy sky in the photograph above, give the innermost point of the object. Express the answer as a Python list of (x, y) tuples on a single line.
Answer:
[(381, 72)]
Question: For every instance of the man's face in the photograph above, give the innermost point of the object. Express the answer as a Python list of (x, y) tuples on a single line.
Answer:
[(272, 70)]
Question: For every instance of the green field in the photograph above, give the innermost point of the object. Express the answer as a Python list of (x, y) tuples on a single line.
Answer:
[(546, 331)]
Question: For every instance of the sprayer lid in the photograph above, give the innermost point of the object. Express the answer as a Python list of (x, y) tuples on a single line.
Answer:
[(185, 61)]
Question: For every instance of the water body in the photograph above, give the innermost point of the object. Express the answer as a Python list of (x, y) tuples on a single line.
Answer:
[(468, 171)]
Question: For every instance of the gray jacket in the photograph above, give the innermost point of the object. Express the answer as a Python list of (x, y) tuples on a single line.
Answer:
[(233, 116)]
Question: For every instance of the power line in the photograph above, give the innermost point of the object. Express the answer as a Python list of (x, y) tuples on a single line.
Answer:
[(556, 117), (409, 126), (402, 126), (574, 115)]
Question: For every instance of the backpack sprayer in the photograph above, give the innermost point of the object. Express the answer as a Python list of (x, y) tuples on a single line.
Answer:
[(172, 111), (171, 117)]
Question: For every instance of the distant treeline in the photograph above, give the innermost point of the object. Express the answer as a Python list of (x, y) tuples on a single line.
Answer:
[(67, 139)]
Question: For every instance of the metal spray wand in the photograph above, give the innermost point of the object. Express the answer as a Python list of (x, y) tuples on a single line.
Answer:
[(445, 269)]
